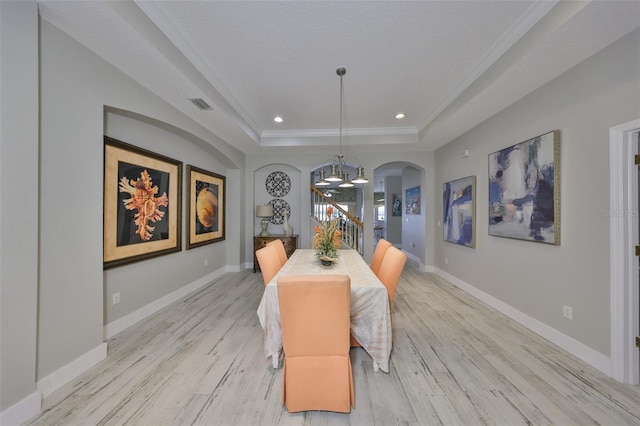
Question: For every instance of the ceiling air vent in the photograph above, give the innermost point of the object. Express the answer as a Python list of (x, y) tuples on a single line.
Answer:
[(200, 103)]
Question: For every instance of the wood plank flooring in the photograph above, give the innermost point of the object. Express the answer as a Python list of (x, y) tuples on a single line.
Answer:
[(455, 362)]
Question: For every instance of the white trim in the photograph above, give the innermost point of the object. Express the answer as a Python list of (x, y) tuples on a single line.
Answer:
[(623, 265), (127, 321), (579, 350), (22, 411), (512, 36), (234, 268), (413, 258), (372, 131), (428, 268), (64, 375)]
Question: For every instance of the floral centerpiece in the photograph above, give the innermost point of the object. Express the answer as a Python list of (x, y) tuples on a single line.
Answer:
[(326, 242)]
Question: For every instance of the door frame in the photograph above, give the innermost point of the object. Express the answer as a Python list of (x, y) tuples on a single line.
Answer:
[(623, 220)]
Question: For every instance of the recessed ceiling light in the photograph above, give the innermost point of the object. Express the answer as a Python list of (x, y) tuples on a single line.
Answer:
[(400, 116), (278, 119)]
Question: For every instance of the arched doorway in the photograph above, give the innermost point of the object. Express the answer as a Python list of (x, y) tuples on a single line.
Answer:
[(404, 228)]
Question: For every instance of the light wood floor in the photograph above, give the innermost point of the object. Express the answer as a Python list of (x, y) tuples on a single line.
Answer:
[(455, 362)]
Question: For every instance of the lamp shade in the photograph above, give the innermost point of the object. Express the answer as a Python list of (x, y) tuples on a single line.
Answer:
[(322, 181), (360, 177), (334, 176), (264, 211)]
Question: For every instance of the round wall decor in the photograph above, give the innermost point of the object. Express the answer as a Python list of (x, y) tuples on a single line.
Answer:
[(280, 207), (278, 184)]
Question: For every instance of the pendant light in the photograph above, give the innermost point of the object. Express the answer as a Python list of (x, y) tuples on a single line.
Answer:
[(336, 168)]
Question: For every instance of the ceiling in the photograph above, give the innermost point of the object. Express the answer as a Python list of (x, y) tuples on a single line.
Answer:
[(448, 65)]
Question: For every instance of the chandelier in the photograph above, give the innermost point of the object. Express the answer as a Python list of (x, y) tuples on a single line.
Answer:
[(337, 165)]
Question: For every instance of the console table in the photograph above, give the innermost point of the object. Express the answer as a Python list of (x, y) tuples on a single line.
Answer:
[(290, 245)]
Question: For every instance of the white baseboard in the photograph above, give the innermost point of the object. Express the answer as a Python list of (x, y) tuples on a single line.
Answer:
[(127, 321), (574, 347), (64, 375), (22, 411), (413, 258), (234, 268), (428, 268)]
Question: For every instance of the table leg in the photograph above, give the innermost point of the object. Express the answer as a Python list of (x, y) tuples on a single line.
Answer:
[(376, 367), (275, 360)]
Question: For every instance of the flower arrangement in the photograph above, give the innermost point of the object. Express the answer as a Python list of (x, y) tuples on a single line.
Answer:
[(326, 241)]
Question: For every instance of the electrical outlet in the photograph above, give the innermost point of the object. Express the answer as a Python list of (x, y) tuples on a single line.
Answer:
[(206, 262), (446, 260), (567, 311), (116, 298)]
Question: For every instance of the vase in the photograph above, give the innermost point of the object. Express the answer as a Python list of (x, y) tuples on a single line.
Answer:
[(288, 229), (326, 262)]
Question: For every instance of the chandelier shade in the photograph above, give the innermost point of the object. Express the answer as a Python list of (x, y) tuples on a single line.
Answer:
[(322, 181), (360, 176)]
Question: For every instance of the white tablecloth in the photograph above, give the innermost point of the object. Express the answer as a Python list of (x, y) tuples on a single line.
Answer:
[(370, 314)]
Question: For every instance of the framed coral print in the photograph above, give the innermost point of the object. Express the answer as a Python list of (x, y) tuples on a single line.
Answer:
[(142, 204), (459, 211), (206, 192), (524, 190)]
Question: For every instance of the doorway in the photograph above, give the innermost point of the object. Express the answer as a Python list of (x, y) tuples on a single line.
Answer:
[(624, 236)]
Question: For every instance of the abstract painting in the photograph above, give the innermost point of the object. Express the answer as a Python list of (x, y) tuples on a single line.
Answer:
[(412, 198), (396, 206), (142, 204), (205, 207), (524, 190), (459, 211)]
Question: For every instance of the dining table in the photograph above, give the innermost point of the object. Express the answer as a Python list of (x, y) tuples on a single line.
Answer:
[(370, 312)]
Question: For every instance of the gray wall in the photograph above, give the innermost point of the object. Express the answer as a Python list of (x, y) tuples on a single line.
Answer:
[(393, 234), (19, 200), (413, 225), (307, 160), (534, 278), (144, 282), (76, 86), (262, 196)]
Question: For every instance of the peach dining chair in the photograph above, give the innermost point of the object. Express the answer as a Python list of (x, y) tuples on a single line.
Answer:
[(381, 248), (269, 262), (314, 315), (378, 255), (282, 253), (391, 269)]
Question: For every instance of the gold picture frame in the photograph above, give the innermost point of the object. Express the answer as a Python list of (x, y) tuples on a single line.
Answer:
[(524, 190), (459, 211), (142, 204), (206, 203)]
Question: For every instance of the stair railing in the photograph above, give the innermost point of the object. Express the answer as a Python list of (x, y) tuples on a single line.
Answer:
[(351, 226)]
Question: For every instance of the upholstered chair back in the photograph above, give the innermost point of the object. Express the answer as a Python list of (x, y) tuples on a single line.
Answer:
[(378, 255), (391, 269), (282, 253), (315, 320), (269, 262)]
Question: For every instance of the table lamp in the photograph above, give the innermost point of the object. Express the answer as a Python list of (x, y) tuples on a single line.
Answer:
[(264, 212)]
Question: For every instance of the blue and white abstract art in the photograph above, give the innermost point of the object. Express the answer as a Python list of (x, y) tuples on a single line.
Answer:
[(459, 211), (524, 185)]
